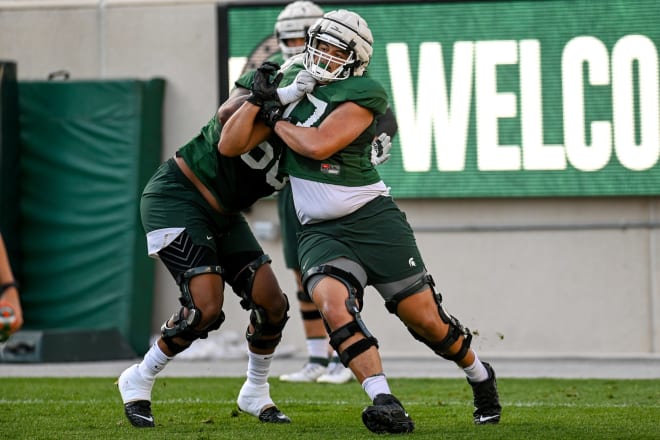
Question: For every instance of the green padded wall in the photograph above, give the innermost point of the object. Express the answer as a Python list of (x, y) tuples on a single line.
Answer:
[(87, 150)]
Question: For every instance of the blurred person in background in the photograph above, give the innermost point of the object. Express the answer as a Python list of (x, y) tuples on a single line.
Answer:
[(11, 312)]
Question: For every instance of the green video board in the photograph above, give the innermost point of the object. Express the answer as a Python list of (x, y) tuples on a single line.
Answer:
[(507, 98)]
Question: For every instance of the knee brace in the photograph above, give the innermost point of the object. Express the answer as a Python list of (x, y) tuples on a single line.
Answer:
[(258, 316), (245, 281), (188, 316), (263, 327), (354, 305), (454, 333)]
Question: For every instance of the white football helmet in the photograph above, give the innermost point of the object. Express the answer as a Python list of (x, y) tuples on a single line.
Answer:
[(293, 22), (346, 30)]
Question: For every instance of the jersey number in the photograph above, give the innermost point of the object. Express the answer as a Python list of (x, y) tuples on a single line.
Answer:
[(266, 163)]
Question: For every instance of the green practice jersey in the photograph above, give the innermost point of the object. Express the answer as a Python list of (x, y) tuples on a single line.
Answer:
[(236, 182), (350, 166)]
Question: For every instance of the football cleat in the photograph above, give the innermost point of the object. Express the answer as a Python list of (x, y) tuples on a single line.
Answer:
[(139, 414), (135, 392), (309, 373), (273, 415), (487, 408), (255, 400), (387, 415), (336, 374)]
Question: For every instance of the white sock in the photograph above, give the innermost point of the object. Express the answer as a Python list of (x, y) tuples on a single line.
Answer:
[(376, 385), (334, 358), (476, 372), (258, 368), (154, 362), (317, 348)]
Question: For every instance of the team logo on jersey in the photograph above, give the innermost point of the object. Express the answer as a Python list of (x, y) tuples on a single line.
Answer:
[(411, 262), (327, 168)]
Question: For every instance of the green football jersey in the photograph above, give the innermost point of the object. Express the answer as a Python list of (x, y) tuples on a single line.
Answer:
[(277, 57), (236, 182), (352, 165)]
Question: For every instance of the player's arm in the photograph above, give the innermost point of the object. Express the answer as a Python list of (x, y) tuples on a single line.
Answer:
[(242, 131), (236, 98), (245, 130), (9, 288), (341, 127)]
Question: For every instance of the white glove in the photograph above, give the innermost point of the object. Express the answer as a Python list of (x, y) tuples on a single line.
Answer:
[(303, 84), (380, 149)]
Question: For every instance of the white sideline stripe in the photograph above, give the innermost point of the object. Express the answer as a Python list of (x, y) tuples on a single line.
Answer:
[(534, 404)]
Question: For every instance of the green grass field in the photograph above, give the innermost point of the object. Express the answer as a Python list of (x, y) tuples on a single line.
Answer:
[(204, 408)]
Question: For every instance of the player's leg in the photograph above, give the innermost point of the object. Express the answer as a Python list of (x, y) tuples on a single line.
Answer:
[(316, 340), (397, 271), (337, 290), (196, 270), (177, 232), (429, 322), (336, 283), (252, 279), (316, 337)]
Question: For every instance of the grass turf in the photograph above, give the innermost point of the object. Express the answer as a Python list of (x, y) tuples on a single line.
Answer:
[(204, 408)]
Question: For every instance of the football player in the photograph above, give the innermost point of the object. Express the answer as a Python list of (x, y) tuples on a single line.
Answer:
[(322, 364), (353, 233), (191, 212)]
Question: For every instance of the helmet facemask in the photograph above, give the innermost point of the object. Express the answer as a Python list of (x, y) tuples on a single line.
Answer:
[(318, 62), (347, 31)]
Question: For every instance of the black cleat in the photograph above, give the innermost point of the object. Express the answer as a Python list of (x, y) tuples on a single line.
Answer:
[(387, 415), (139, 413), (487, 408), (273, 415)]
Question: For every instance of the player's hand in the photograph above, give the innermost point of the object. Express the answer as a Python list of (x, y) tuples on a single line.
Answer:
[(380, 149), (270, 114), (303, 84), (263, 87)]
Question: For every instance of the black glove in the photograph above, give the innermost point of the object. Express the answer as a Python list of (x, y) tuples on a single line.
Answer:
[(270, 114), (263, 88)]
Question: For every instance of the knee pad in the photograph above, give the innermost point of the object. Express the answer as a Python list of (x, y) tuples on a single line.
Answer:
[(245, 281), (354, 306), (454, 333), (184, 321), (263, 327)]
